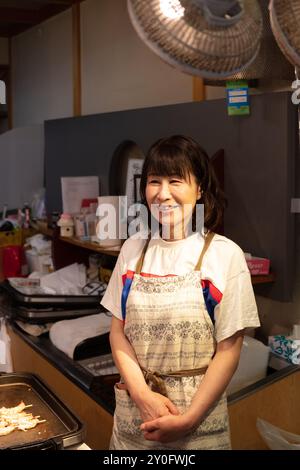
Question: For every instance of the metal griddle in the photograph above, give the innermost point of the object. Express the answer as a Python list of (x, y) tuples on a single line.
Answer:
[(40, 300), (41, 309), (61, 429)]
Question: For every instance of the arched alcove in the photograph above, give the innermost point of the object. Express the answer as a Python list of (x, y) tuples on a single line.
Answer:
[(124, 152)]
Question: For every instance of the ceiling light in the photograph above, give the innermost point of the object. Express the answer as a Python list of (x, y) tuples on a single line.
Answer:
[(172, 9)]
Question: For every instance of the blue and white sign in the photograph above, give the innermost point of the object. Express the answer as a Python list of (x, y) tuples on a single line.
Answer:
[(238, 98)]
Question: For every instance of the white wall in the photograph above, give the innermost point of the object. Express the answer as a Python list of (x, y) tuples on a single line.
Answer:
[(118, 70), (42, 72), (215, 92), (4, 56), (21, 165)]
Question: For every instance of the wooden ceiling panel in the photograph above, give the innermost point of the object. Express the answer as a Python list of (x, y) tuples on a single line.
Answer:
[(9, 30), (11, 16), (33, 4), (18, 15)]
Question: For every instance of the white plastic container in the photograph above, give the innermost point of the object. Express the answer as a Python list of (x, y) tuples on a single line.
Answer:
[(38, 263), (252, 366)]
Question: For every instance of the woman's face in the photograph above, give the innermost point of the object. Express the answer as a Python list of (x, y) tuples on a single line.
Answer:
[(171, 200)]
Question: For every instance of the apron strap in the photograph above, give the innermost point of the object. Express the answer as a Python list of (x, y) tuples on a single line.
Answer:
[(207, 242), (156, 380), (142, 256)]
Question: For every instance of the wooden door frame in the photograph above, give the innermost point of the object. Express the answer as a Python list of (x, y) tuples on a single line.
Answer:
[(76, 37), (198, 89)]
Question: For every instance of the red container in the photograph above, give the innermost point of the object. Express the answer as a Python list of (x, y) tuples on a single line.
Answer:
[(1, 265), (12, 261)]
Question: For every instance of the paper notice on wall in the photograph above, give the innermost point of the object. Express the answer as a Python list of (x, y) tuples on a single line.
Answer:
[(76, 188), (134, 172)]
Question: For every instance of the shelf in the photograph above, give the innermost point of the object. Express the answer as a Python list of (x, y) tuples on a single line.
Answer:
[(263, 279), (90, 246), (41, 226)]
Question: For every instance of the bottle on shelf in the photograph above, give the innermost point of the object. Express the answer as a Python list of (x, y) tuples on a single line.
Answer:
[(93, 271), (26, 211)]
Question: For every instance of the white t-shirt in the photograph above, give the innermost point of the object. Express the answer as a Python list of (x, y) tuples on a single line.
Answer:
[(224, 268)]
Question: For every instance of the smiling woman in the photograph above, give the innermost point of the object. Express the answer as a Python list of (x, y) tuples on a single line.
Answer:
[(180, 305), (188, 168), (171, 201)]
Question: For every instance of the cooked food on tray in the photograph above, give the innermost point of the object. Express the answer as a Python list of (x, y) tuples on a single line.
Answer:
[(16, 418)]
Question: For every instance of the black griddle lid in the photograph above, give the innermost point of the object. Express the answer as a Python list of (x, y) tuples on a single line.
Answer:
[(46, 299), (61, 429)]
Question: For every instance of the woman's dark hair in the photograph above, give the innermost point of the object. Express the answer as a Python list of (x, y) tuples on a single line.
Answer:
[(182, 156)]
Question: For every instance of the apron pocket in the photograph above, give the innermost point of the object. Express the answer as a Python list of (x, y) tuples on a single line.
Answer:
[(127, 416)]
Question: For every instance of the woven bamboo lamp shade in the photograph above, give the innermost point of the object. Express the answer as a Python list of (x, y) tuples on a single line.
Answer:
[(189, 39), (285, 23), (269, 64)]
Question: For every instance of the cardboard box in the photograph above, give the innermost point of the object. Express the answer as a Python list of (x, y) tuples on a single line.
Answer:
[(258, 266)]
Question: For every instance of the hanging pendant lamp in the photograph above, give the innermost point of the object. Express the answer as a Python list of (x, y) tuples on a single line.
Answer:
[(285, 23), (208, 38)]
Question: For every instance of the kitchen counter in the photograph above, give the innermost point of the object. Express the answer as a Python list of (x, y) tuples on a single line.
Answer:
[(70, 382), (102, 393)]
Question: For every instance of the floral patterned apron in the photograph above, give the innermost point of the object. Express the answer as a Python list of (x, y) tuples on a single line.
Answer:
[(169, 328)]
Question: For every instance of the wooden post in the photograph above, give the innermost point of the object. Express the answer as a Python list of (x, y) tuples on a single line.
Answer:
[(76, 59), (9, 92), (198, 89)]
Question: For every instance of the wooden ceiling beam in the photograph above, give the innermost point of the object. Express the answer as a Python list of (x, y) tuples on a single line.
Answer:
[(50, 10), (41, 3), (14, 20), (7, 31), (58, 2), (14, 15)]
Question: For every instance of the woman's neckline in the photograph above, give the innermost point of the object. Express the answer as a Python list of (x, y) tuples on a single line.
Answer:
[(172, 243)]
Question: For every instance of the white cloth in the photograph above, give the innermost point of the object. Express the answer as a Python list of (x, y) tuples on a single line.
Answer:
[(6, 364), (34, 330), (224, 266), (66, 281), (67, 334)]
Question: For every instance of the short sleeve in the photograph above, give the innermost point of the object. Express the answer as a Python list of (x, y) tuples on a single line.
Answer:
[(237, 309), (112, 297)]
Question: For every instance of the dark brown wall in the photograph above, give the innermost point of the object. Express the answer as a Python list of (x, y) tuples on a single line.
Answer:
[(260, 154)]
